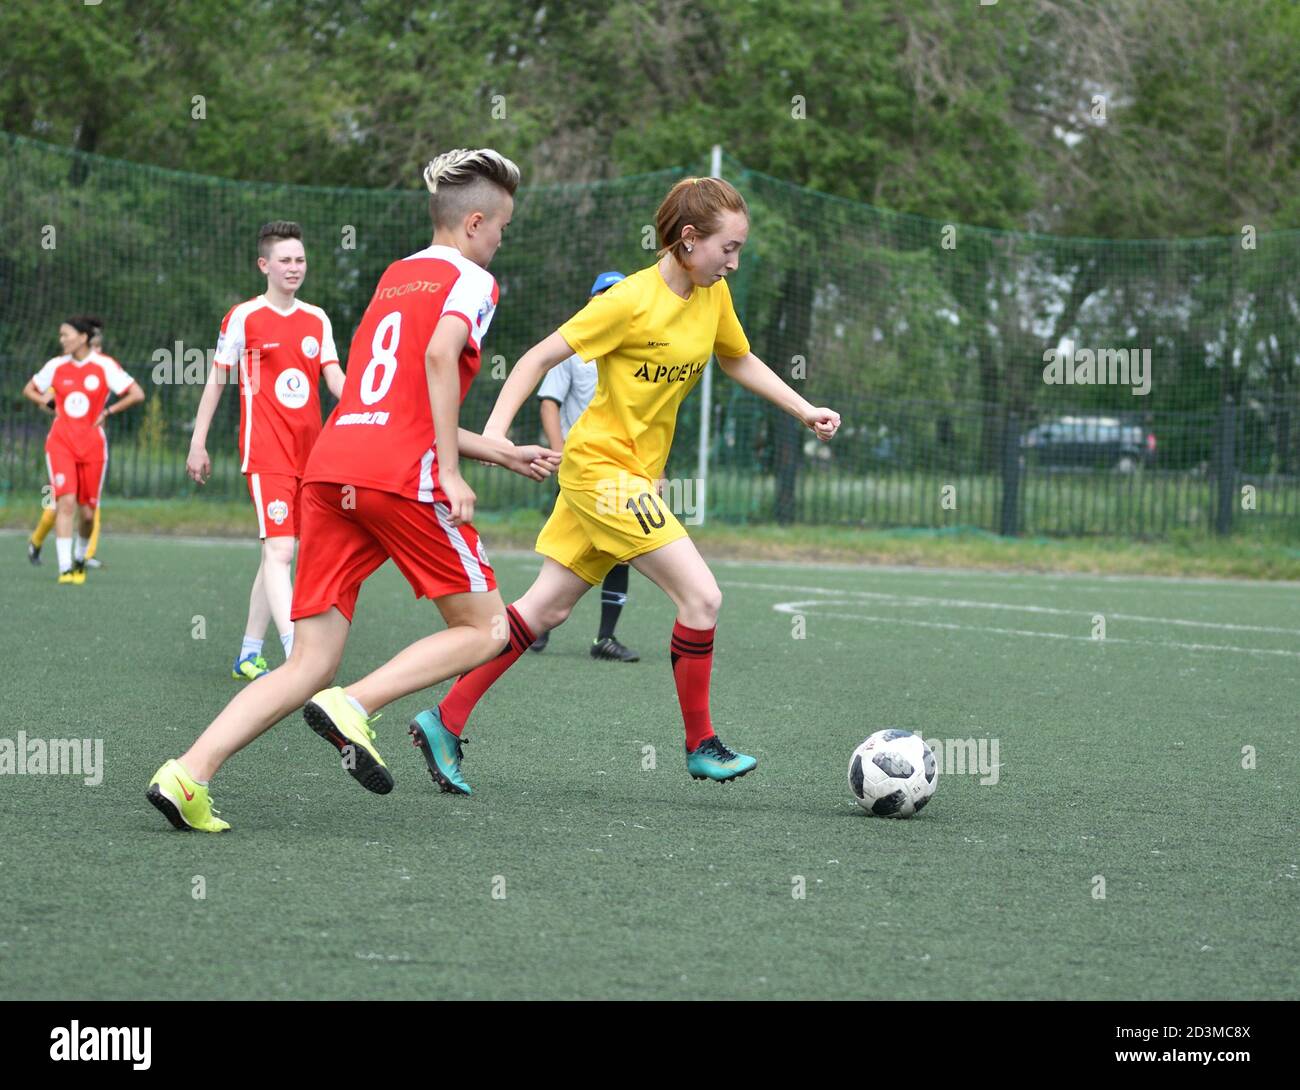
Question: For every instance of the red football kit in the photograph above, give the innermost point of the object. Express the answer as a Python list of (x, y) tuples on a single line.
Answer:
[(371, 491)]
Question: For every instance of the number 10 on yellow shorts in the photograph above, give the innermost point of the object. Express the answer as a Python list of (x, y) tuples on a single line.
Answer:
[(591, 530)]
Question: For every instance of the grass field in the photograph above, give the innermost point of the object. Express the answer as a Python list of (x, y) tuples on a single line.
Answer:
[(1119, 759)]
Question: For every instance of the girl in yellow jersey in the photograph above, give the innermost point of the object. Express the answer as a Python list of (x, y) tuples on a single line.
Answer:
[(652, 334)]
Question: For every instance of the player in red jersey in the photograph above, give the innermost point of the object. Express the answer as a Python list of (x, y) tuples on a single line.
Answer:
[(46, 523), (76, 450), (281, 347), (383, 482)]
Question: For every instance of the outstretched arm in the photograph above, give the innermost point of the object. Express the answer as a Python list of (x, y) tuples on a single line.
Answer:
[(523, 381), (753, 374), (535, 462)]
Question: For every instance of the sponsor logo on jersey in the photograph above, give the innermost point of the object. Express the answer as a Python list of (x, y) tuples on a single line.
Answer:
[(482, 554), (92, 382), (310, 347), (59, 478), (485, 311), (678, 372), (380, 418), (277, 511), (406, 289), (76, 405), (292, 388)]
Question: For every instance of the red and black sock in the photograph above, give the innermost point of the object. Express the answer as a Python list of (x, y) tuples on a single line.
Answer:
[(692, 658), (457, 705)]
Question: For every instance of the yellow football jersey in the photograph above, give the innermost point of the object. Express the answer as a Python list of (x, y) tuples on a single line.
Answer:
[(651, 347)]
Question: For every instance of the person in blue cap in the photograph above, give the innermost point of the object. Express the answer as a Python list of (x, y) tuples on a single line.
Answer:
[(565, 392)]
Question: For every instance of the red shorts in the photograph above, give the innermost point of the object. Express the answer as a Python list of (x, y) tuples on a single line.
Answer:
[(277, 498), (348, 532), (82, 473)]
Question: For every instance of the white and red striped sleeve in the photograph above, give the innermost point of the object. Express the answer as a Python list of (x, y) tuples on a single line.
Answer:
[(44, 378), (473, 298), (328, 352), (115, 375), (230, 342)]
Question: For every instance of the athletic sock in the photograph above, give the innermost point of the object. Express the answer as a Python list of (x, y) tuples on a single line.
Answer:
[(613, 597), (457, 705), (251, 647), (692, 659), (286, 641), (359, 706), (79, 554), (64, 547)]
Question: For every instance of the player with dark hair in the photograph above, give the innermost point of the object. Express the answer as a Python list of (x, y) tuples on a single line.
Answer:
[(76, 450), (48, 517)]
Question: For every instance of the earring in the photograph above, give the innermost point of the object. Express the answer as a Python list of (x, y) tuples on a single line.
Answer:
[(689, 248)]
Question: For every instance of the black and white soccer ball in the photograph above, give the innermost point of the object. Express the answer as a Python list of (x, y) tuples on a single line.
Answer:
[(893, 774)]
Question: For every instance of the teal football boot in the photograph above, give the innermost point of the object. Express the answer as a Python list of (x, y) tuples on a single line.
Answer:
[(442, 751), (712, 760)]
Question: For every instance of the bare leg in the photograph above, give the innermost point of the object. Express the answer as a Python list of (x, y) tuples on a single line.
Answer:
[(65, 510), (277, 580), (549, 601), (476, 630), (317, 650), (259, 609), (684, 576), (544, 605), (680, 571)]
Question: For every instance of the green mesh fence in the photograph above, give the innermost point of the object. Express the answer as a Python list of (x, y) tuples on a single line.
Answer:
[(928, 338)]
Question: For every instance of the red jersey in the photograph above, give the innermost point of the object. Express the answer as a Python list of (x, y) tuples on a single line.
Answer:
[(381, 434), (81, 390), (280, 354)]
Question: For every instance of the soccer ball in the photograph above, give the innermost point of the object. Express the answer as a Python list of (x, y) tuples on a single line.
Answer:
[(893, 774)]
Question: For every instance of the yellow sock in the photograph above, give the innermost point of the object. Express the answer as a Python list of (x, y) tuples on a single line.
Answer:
[(94, 537), (43, 527)]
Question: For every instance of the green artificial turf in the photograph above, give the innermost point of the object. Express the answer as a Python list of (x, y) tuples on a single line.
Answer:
[(1119, 759)]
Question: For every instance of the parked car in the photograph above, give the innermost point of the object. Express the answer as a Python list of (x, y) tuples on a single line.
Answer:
[(1090, 441)]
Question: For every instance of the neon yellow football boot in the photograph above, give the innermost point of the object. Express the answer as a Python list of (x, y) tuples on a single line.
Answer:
[(183, 801), (332, 715)]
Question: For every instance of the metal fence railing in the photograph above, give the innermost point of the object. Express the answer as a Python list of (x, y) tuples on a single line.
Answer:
[(1008, 381)]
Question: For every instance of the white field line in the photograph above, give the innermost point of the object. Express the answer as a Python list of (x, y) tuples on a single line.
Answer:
[(918, 600), (802, 607), (1008, 574)]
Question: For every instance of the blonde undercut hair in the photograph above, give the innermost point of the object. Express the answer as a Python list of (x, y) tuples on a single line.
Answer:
[(461, 182)]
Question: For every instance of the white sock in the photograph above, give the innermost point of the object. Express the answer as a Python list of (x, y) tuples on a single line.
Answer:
[(286, 641), (83, 544), (64, 547), (251, 647), (201, 783), (357, 704)]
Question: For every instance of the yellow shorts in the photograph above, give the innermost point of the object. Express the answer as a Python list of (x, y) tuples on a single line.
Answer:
[(591, 531)]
